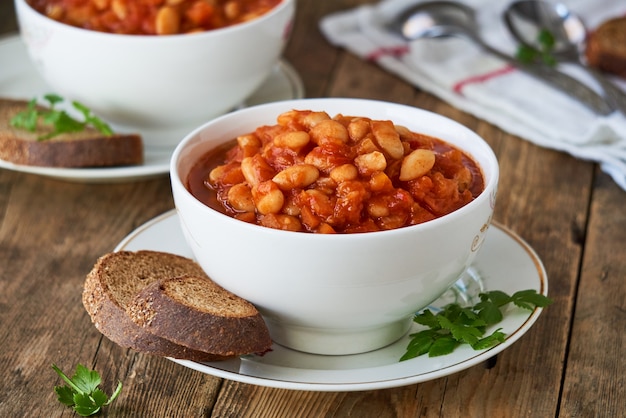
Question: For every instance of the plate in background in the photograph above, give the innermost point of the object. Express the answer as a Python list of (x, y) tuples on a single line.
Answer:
[(19, 80)]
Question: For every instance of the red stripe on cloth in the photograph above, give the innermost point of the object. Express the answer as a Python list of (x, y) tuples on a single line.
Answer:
[(481, 78), (395, 51)]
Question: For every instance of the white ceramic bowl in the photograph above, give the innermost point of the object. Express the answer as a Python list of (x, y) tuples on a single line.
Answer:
[(343, 293), (156, 83)]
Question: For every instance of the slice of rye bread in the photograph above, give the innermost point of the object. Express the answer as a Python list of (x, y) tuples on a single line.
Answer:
[(113, 283), (87, 148), (195, 312), (606, 47)]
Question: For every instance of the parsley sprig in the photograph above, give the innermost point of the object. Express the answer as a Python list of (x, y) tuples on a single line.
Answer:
[(455, 324), (546, 41), (60, 121), (82, 393)]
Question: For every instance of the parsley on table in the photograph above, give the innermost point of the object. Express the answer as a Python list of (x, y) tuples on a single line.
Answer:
[(82, 393), (60, 120), (546, 41), (455, 325)]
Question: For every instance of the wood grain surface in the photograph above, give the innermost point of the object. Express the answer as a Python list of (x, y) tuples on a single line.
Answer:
[(570, 364)]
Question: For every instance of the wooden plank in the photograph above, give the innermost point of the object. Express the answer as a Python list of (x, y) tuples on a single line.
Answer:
[(52, 232), (309, 52), (365, 80), (595, 379), (155, 386)]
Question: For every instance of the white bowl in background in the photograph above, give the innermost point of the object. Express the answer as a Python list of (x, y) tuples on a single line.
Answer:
[(153, 83)]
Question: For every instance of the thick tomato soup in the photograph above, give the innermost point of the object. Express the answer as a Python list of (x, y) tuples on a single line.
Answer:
[(153, 17), (344, 174)]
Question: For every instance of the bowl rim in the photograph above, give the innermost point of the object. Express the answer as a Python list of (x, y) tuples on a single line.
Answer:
[(488, 193), (25, 7)]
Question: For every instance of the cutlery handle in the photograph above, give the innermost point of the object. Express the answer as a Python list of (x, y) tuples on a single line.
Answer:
[(615, 95), (556, 79)]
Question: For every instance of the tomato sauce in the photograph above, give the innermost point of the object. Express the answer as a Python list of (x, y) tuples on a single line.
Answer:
[(153, 17), (313, 173)]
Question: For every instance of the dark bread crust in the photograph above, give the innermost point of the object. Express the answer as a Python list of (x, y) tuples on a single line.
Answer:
[(211, 319), (606, 47), (114, 281), (88, 148)]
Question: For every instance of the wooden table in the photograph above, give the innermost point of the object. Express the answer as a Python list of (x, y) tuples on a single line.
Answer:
[(570, 364)]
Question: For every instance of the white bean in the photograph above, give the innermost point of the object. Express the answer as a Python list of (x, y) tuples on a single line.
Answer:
[(296, 176), (416, 164)]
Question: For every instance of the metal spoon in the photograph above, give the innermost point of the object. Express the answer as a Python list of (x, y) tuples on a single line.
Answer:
[(527, 18), (434, 19)]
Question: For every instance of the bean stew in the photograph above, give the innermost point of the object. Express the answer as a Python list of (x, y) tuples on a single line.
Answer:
[(152, 17), (345, 174)]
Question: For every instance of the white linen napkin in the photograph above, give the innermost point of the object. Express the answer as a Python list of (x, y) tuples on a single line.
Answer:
[(462, 74)]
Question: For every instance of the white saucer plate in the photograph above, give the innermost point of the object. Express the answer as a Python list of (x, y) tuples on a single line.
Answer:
[(19, 80), (505, 263)]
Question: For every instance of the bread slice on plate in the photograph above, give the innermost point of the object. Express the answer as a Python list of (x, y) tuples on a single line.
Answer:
[(195, 312), (112, 285), (606, 46), (87, 148)]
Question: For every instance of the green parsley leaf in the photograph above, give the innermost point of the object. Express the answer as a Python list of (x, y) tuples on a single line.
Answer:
[(92, 119), (489, 312), (462, 332), (84, 405), (65, 395), (526, 54), (85, 380), (549, 59), (455, 324), (496, 297), (82, 393), (489, 341), (60, 121), (27, 119), (428, 319), (420, 344), (528, 299), (53, 99), (442, 346), (546, 40)]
